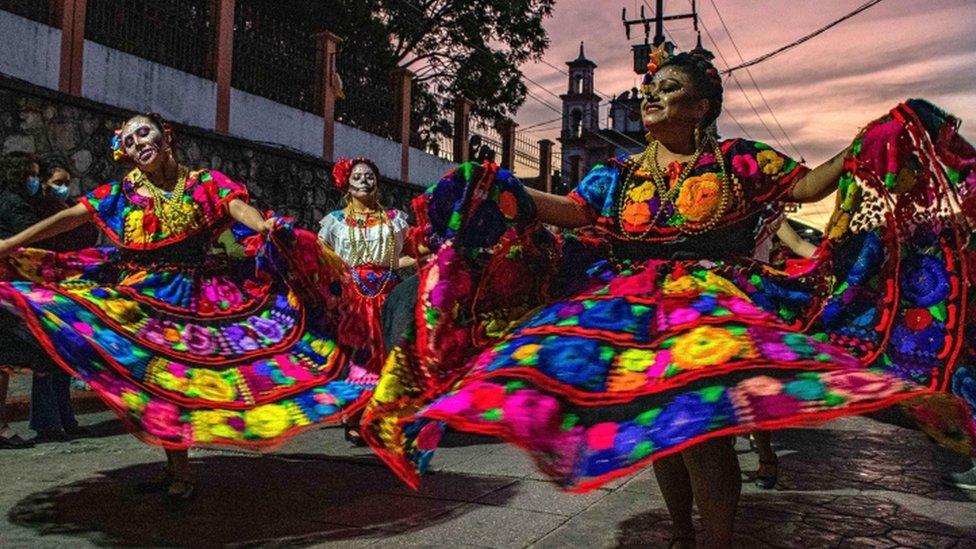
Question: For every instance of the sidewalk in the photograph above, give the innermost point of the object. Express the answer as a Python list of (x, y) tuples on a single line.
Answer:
[(851, 483)]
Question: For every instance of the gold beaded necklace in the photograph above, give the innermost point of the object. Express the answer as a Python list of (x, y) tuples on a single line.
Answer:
[(169, 206), (667, 196), (359, 247)]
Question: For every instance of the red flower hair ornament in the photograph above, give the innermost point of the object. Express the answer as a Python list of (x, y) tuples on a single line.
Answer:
[(343, 169)]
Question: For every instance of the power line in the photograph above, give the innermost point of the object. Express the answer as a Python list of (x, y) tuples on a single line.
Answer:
[(803, 39), (754, 83)]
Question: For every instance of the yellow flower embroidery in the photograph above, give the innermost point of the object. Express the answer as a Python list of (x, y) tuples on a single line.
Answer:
[(635, 360), (769, 162), (212, 424), (135, 401), (267, 421), (705, 346), (133, 228), (170, 382), (626, 381), (123, 310), (210, 385), (525, 352), (642, 193)]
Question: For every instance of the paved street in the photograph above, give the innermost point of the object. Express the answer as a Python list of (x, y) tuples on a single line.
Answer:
[(851, 483)]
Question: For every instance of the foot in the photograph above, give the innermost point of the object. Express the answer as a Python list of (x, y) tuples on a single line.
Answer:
[(768, 474), (14, 442), (965, 480), (353, 436), (180, 491), (44, 437)]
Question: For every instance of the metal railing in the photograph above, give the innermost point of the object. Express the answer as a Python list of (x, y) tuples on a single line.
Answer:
[(35, 10), (176, 33), (527, 155), (274, 55), (369, 96)]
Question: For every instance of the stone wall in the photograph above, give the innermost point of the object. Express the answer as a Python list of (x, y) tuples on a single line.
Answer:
[(77, 132)]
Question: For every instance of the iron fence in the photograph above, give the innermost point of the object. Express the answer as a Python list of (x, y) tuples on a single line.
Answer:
[(35, 10), (369, 103), (527, 154), (176, 33), (274, 55)]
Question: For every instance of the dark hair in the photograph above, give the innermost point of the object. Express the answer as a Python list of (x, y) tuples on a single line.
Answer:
[(14, 168), (704, 78), (368, 162), (50, 165)]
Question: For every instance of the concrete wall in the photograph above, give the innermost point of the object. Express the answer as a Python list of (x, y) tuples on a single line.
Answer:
[(118, 78), (425, 165), (258, 119), (30, 50)]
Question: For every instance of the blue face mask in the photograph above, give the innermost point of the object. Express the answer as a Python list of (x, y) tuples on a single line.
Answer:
[(59, 192), (33, 185)]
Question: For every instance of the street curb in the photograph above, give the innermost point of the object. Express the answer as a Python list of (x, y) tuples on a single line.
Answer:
[(83, 402)]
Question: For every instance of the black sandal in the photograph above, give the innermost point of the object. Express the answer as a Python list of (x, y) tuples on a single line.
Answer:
[(352, 435), (15, 442), (768, 482), (180, 491)]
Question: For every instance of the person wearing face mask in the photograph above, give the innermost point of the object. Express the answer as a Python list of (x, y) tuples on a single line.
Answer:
[(650, 335), (370, 239), (52, 196), (188, 346), (20, 180)]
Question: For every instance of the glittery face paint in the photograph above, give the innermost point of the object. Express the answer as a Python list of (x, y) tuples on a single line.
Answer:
[(362, 181), (672, 100), (143, 142)]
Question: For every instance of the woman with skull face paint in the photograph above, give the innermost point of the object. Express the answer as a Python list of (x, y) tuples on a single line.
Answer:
[(666, 337), (188, 346), (370, 239)]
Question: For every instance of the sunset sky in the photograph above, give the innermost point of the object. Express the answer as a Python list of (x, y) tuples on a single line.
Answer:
[(821, 91)]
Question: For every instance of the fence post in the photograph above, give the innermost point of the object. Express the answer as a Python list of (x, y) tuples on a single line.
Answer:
[(402, 82), (462, 116), (72, 23), (545, 165), (326, 48), (222, 13), (506, 129)]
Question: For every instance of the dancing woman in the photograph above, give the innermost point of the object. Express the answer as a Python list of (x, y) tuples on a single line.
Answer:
[(189, 347), (665, 337)]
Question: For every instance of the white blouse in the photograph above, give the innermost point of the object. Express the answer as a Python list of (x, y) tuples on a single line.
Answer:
[(339, 235)]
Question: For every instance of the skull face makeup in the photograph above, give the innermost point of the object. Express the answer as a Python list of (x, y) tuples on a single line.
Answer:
[(362, 182), (144, 143)]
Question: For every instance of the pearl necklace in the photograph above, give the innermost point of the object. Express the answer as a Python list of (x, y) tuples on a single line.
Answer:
[(359, 246)]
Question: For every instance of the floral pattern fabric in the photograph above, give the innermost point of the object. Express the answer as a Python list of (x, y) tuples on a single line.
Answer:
[(190, 346), (632, 360)]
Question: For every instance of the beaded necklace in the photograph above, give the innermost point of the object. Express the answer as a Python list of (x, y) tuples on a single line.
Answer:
[(359, 245), (667, 196), (168, 206)]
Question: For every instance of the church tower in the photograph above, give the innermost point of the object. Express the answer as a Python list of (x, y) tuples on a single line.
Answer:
[(581, 118)]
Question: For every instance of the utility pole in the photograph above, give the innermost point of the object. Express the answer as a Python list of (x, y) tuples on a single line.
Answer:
[(642, 51)]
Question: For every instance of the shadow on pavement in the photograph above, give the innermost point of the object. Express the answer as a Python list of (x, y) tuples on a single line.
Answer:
[(905, 462), (810, 520), (246, 501)]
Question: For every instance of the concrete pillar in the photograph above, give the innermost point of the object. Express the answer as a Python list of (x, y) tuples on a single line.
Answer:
[(326, 48), (462, 118), (72, 23), (545, 165), (222, 13), (402, 83), (506, 129)]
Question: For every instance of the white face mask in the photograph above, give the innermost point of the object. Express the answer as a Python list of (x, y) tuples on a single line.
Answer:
[(362, 181)]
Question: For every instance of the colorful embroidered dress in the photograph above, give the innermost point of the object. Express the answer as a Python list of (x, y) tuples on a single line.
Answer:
[(188, 345), (371, 246), (597, 367)]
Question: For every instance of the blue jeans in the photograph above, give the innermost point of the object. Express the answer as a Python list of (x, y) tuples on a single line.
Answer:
[(50, 408)]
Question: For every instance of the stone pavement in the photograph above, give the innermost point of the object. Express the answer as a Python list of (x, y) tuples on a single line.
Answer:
[(850, 483)]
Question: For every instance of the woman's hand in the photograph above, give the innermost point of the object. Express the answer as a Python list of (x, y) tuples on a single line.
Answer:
[(242, 212), (819, 182), (267, 226), (560, 211)]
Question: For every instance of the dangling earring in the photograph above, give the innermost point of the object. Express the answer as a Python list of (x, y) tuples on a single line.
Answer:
[(698, 141)]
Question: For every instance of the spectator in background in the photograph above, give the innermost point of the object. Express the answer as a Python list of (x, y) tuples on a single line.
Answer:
[(19, 174)]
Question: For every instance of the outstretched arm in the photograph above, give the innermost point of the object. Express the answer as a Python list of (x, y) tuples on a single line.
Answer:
[(63, 221), (795, 242), (242, 212), (819, 182), (560, 211)]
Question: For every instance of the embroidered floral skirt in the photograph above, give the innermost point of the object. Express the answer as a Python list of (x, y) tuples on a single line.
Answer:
[(187, 354), (640, 360)]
